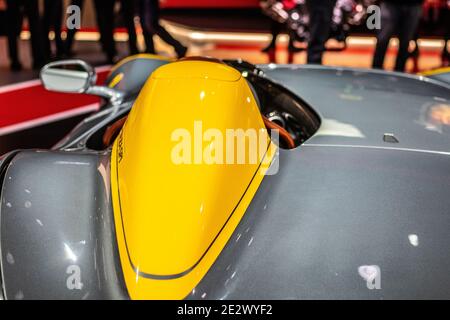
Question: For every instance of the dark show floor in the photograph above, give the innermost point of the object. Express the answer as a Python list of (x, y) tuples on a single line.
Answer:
[(41, 137)]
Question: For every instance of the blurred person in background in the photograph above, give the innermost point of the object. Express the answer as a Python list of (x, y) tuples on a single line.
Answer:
[(149, 12), (435, 11), (53, 12), (104, 11), (321, 12), (445, 52), (15, 10), (128, 10), (3, 17), (104, 14), (277, 27), (398, 17), (71, 32)]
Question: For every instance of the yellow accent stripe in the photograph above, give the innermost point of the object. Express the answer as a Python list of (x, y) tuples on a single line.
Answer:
[(435, 72), (116, 80)]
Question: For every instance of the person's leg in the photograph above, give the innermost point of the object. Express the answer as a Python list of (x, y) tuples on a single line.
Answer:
[(408, 22), (13, 28), (389, 21), (320, 22), (149, 42), (152, 24), (48, 12), (128, 11), (291, 44), (52, 20), (100, 18), (57, 26), (109, 26), (38, 51), (415, 53), (292, 49), (71, 32), (105, 21), (144, 12), (445, 52), (275, 30)]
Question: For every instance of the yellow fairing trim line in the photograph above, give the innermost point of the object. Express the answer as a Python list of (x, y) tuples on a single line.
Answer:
[(116, 80), (178, 286), (435, 72)]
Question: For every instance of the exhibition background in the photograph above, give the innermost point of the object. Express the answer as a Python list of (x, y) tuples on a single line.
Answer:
[(225, 29)]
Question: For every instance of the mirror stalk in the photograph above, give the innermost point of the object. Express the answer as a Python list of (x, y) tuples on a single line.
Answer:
[(115, 97)]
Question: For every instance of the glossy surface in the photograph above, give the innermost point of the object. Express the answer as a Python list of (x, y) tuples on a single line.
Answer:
[(442, 74), (68, 76), (57, 229), (358, 107), (130, 74), (176, 217), (346, 199), (330, 211)]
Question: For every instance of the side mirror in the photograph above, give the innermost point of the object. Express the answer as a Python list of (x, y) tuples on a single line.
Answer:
[(76, 76), (72, 76)]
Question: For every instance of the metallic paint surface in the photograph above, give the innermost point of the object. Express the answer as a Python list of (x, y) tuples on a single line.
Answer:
[(56, 220), (343, 200), (373, 103), (330, 211), (444, 77), (135, 71)]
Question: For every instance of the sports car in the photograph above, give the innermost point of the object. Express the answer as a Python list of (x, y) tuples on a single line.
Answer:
[(346, 197)]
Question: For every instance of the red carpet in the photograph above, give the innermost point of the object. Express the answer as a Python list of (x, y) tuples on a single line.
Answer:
[(28, 104)]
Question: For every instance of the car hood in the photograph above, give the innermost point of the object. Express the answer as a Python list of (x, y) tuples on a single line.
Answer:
[(358, 107), (331, 213)]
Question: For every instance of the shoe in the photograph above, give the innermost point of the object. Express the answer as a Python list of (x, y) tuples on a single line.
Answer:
[(269, 48), (16, 66), (294, 49), (181, 52)]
